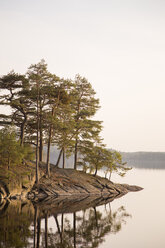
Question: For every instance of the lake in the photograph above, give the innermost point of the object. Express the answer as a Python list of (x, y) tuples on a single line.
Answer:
[(134, 220)]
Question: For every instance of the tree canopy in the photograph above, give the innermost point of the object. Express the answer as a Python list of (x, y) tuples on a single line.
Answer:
[(48, 110)]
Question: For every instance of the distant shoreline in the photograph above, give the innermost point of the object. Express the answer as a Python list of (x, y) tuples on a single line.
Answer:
[(148, 160)]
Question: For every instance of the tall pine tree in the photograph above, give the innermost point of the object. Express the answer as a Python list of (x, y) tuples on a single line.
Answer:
[(85, 106)]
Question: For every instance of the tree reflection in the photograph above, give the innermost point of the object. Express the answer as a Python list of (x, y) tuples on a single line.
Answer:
[(15, 220), (22, 225), (38, 232), (83, 229)]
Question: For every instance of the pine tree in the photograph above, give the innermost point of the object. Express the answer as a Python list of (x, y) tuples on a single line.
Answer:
[(64, 136), (94, 159), (11, 153), (13, 87), (39, 79), (48, 110), (85, 106), (114, 163), (54, 101)]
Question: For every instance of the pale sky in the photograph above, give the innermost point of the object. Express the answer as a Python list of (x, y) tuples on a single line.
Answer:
[(118, 45)]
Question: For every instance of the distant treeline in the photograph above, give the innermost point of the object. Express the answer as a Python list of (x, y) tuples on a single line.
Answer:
[(153, 160)]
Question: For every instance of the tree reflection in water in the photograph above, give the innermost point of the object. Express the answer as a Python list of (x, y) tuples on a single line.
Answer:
[(15, 221), (84, 229), (22, 225)]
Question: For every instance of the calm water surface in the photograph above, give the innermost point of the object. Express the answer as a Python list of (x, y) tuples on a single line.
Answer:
[(146, 226), (134, 220)]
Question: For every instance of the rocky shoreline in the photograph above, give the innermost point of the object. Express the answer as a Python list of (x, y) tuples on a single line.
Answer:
[(71, 183), (64, 183)]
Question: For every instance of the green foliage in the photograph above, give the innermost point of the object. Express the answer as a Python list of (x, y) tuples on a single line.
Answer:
[(45, 110), (97, 157), (85, 106), (28, 152), (10, 150), (94, 159), (11, 153), (114, 163)]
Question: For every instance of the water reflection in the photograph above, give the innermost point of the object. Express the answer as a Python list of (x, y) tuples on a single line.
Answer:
[(42, 225), (15, 220)]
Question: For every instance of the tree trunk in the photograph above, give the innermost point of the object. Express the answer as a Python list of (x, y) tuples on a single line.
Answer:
[(37, 163), (96, 218), (62, 224), (37, 141), (35, 226), (41, 146), (46, 231), (95, 171), (38, 232), (76, 141), (75, 155), (74, 228), (48, 153), (58, 228), (59, 157), (23, 129), (41, 134), (63, 166), (48, 150)]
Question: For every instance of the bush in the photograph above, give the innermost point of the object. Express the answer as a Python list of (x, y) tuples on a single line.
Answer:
[(11, 153)]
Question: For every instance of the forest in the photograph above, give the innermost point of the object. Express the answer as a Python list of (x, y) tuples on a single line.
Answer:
[(43, 109)]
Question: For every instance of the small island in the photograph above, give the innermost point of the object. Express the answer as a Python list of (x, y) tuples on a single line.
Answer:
[(68, 183), (46, 110)]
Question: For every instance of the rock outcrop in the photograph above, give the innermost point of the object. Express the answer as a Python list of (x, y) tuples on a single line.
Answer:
[(71, 183), (19, 183), (16, 182)]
